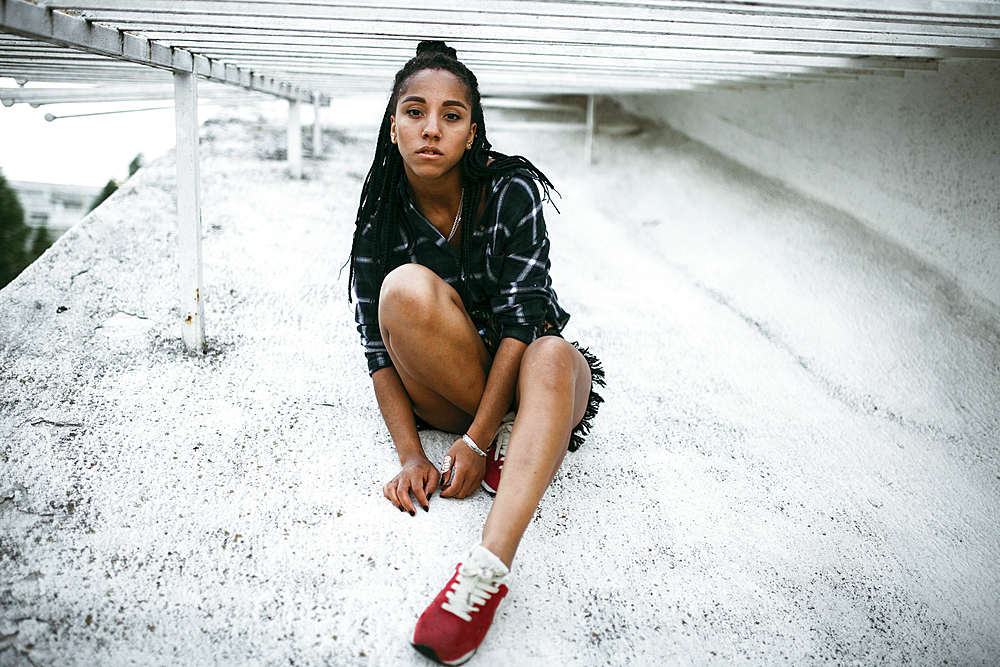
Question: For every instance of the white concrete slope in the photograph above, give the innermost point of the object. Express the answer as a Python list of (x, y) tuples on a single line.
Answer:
[(797, 461)]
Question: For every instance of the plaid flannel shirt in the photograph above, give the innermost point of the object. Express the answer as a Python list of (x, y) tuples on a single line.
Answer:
[(508, 275)]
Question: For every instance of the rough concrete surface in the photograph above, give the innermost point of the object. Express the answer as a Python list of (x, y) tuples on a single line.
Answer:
[(915, 156), (796, 464)]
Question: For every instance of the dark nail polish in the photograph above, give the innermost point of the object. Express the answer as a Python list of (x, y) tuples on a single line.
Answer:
[(426, 509), (401, 509), (412, 513)]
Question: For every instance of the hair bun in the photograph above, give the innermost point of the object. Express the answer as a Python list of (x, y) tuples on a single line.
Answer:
[(432, 47)]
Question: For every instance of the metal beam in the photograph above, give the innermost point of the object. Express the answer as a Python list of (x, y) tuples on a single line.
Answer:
[(611, 32), (116, 93), (394, 51), (950, 7), (294, 139), (54, 27), (317, 149), (588, 141), (908, 16), (192, 289)]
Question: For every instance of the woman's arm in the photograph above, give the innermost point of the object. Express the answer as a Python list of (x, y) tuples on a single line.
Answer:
[(499, 392), (468, 467), (419, 476)]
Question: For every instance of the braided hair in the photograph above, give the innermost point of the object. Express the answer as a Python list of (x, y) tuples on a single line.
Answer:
[(480, 165)]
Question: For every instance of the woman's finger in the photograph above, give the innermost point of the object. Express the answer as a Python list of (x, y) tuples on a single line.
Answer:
[(391, 493), (418, 493), (459, 480), (451, 485), (471, 477), (468, 484), (446, 473), (431, 484), (421, 484), (403, 493)]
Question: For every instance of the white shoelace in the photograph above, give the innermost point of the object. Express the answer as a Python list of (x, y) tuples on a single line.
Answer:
[(503, 437), (473, 587)]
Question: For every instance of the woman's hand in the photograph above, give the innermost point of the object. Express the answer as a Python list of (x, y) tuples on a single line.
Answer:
[(419, 477), (467, 471)]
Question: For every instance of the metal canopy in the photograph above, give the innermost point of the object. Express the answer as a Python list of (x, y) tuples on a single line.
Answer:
[(295, 48)]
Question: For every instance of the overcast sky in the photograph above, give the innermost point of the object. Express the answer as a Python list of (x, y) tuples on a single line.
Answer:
[(90, 150), (80, 151)]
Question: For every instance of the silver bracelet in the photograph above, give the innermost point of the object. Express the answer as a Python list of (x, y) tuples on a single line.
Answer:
[(473, 446)]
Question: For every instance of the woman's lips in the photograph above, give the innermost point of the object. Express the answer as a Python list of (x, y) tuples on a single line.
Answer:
[(429, 153)]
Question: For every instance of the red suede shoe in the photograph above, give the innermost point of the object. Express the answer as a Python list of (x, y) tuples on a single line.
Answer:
[(496, 454), (452, 628)]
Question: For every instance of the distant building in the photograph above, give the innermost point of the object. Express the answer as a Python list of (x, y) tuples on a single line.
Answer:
[(55, 206)]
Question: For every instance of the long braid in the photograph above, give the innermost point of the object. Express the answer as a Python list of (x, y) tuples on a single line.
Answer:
[(378, 200), (379, 203)]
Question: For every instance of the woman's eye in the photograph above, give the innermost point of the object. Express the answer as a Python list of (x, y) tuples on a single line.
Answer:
[(453, 116), (413, 112)]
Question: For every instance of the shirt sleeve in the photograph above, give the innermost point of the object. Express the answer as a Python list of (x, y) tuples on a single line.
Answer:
[(366, 289), (524, 282)]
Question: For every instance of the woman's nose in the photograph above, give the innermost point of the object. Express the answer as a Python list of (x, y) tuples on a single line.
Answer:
[(431, 128)]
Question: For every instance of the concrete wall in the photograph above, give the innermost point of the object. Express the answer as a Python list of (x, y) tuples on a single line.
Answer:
[(917, 158)]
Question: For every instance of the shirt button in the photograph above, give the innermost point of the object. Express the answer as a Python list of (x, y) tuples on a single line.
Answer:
[(482, 228)]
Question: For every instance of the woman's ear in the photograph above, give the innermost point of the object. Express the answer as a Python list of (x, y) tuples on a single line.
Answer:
[(392, 129), (472, 135)]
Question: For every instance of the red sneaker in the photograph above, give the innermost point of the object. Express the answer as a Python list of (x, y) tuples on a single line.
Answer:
[(452, 628), (496, 454)]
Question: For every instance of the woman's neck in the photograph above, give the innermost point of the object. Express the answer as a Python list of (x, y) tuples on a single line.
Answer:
[(436, 199)]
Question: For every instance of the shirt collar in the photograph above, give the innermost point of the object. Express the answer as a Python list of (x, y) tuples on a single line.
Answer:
[(418, 219)]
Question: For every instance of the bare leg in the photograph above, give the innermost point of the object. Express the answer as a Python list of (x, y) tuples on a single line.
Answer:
[(434, 346), (553, 387)]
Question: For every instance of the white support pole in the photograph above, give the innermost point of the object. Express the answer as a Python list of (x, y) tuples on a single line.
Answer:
[(317, 129), (294, 139), (189, 211), (588, 140)]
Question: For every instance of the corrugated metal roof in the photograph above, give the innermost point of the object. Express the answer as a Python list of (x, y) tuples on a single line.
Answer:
[(295, 48)]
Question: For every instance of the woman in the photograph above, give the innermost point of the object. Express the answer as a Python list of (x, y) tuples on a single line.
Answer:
[(461, 329)]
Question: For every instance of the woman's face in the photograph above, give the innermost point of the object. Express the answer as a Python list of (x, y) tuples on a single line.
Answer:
[(432, 125)]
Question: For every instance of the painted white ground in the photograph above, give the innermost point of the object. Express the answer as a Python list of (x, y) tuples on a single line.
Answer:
[(797, 462)]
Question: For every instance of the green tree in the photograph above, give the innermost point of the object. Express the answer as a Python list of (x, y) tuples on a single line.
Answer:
[(109, 189), (135, 165), (13, 234), (112, 185), (40, 242)]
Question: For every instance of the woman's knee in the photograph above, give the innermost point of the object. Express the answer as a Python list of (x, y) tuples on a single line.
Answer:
[(411, 292), (552, 360), (554, 367)]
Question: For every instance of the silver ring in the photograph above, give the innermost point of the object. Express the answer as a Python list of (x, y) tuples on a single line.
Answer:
[(446, 466)]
